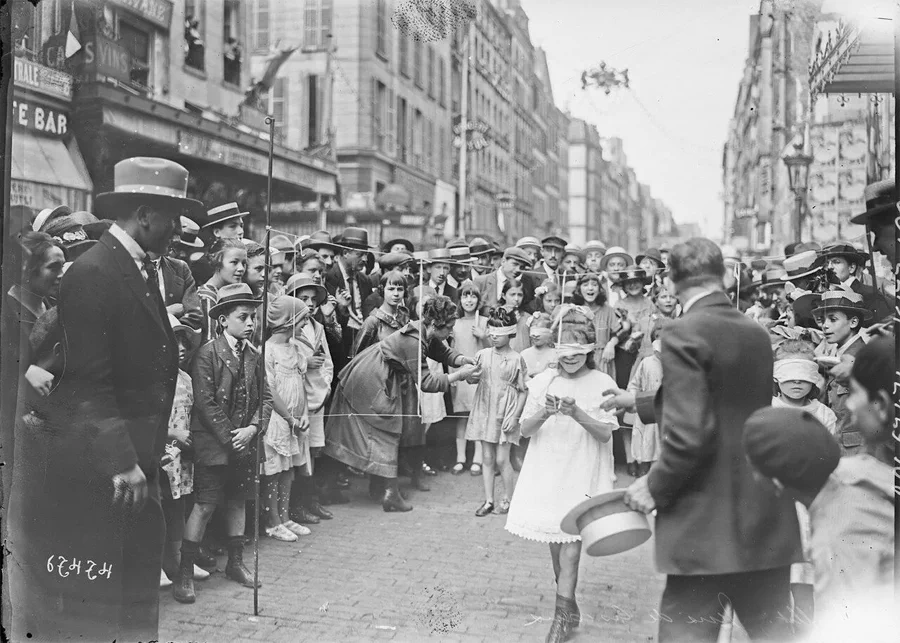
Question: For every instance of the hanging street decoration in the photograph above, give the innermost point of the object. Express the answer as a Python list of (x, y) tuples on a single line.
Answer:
[(606, 78)]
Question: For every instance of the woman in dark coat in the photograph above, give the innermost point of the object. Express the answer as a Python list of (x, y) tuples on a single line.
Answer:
[(377, 401)]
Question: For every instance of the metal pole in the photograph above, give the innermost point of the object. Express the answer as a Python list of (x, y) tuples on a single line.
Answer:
[(896, 324), (421, 332), (464, 135), (262, 371), (798, 215)]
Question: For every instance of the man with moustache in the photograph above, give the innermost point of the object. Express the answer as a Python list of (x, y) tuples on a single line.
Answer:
[(515, 261), (346, 282)]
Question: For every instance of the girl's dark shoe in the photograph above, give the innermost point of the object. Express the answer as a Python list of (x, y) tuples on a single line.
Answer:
[(206, 559), (183, 583), (318, 510), (563, 620), (484, 509), (235, 569), (418, 482), (305, 517), (393, 501)]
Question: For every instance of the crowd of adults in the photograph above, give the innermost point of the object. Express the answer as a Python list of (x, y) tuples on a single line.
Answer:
[(102, 324)]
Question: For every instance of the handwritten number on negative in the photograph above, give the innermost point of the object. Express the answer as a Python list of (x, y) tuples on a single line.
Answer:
[(57, 564)]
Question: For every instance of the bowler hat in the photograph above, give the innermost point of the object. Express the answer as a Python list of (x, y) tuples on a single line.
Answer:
[(301, 280), (393, 260), (773, 276), (222, 213), (528, 242), (519, 255), (792, 446), (189, 234), (554, 241), (151, 181), (439, 255), (654, 255), (881, 200), (606, 524), (844, 300), (48, 214), (800, 265), (320, 239), (842, 249), (615, 251), (355, 239), (479, 246), (231, 294), (387, 245)]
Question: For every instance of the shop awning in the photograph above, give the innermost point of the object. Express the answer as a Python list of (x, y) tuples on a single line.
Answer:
[(852, 55), (40, 159)]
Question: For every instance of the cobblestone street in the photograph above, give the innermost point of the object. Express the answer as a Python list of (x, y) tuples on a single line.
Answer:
[(436, 573)]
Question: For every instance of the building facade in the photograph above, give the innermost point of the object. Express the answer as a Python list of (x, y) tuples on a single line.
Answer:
[(585, 168)]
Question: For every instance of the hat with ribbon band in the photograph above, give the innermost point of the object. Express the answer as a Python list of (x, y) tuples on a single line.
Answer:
[(319, 239), (301, 280), (232, 294), (460, 254), (843, 300), (800, 265), (222, 213), (479, 246), (151, 181), (844, 250), (607, 525), (881, 201)]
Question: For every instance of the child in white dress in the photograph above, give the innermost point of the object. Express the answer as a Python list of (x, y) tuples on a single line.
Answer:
[(570, 456), (645, 437), (497, 406), (469, 337)]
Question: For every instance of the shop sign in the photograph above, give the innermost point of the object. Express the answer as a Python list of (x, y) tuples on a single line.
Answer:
[(42, 79), (21, 193), (159, 12), (107, 58), (41, 118)]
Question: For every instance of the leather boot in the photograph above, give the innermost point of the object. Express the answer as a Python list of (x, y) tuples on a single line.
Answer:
[(206, 558), (171, 556), (417, 475), (563, 618), (318, 510), (183, 583), (393, 501), (235, 569), (376, 488)]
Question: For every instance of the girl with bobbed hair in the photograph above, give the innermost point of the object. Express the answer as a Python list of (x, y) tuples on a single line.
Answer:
[(590, 293), (569, 457), (388, 318), (376, 401), (228, 259)]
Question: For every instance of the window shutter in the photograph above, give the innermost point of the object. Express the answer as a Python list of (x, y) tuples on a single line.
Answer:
[(391, 123)]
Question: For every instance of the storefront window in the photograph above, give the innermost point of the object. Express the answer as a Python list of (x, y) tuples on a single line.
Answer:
[(194, 47)]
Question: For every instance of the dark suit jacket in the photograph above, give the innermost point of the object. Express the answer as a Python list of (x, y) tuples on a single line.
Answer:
[(873, 300), (487, 284), (452, 293), (215, 376), (713, 515), (334, 280), (115, 395), (181, 289)]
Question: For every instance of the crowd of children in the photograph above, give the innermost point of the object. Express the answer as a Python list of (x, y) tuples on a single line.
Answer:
[(497, 316)]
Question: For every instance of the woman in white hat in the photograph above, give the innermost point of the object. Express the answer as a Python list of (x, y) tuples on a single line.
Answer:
[(569, 457)]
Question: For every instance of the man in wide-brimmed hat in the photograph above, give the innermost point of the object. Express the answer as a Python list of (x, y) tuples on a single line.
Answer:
[(881, 211), (347, 283), (99, 490), (462, 260), (846, 262), (322, 243), (482, 251)]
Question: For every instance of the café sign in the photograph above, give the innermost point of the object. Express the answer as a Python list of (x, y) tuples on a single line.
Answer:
[(159, 12), (39, 78), (41, 118)]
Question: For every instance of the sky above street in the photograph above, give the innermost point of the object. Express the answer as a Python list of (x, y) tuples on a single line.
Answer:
[(685, 59)]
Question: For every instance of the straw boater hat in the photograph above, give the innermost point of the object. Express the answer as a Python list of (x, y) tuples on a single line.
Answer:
[(881, 201), (420, 256), (48, 214), (519, 255), (842, 249), (387, 245), (231, 294), (460, 254), (843, 300), (192, 334), (439, 255), (301, 280), (479, 246), (606, 524), (151, 181), (190, 232), (222, 213), (800, 265), (528, 242), (319, 239), (615, 251)]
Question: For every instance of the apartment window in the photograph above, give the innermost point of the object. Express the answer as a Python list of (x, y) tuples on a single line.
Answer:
[(138, 43), (404, 47), (442, 91), (417, 142), (430, 71), (378, 116), (194, 46), (279, 107), (261, 25), (381, 28), (402, 133), (429, 160), (232, 52), (442, 146), (313, 120), (316, 23), (417, 60), (26, 29)]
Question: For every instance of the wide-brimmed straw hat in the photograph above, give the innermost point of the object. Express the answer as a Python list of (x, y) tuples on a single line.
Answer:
[(800, 265), (842, 249), (190, 232), (844, 300), (231, 294), (606, 524), (881, 200), (222, 213), (615, 251), (319, 239), (151, 181)]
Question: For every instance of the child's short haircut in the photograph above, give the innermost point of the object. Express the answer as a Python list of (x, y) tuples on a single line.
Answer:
[(511, 283), (468, 287), (393, 278), (874, 366), (218, 249), (254, 249), (795, 348), (227, 309)]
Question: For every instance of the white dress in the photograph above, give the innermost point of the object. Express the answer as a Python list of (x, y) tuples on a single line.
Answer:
[(564, 464)]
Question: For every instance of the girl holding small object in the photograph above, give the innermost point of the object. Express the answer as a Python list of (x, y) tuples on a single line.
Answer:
[(497, 407), (540, 355), (512, 295), (469, 337), (590, 293), (645, 437), (285, 442), (569, 459), (228, 258)]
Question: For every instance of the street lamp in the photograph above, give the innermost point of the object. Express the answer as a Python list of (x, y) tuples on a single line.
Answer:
[(797, 161)]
